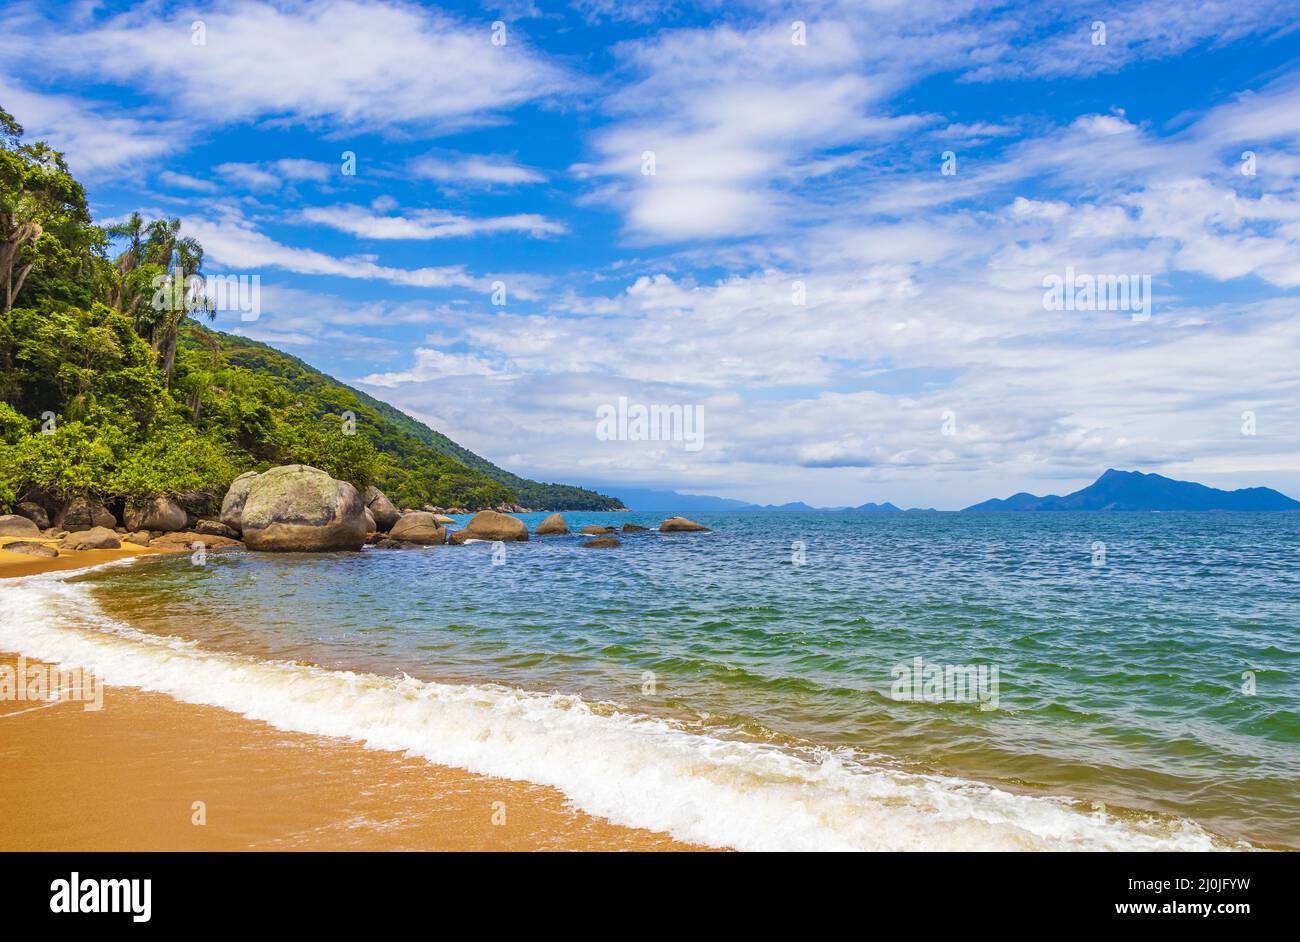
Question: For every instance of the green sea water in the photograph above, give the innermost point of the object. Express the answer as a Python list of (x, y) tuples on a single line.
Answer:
[(1146, 664)]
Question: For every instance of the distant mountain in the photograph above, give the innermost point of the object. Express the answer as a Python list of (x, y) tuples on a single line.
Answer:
[(654, 500), (1133, 491), (639, 498)]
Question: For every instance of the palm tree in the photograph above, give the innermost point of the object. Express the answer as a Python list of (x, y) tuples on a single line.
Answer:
[(180, 259)]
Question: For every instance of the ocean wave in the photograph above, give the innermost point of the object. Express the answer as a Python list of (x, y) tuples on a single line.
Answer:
[(634, 770)]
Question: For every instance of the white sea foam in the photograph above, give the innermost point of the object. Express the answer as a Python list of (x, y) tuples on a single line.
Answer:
[(631, 769)]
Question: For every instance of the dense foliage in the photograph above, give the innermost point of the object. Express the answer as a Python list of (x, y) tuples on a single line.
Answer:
[(106, 393)]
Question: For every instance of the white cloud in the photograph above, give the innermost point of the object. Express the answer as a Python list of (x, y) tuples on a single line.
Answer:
[(95, 137), (183, 181), (474, 169), (233, 243), (359, 65), (271, 175), (425, 224)]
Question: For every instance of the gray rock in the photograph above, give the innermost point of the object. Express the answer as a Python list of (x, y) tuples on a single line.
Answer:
[(298, 508), (33, 512), (232, 505), (552, 525), (83, 513), (14, 525), (492, 526), (156, 513), (681, 525), (215, 528), (381, 508), (30, 549), (94, 538), (419, 527)]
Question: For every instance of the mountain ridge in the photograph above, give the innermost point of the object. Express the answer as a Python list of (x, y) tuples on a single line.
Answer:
[(1138, 492), (1115, 491)]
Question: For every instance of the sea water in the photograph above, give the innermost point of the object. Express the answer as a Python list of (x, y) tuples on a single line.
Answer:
[(800, 681)]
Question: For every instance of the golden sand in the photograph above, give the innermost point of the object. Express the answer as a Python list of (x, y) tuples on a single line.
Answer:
[(141, 773)]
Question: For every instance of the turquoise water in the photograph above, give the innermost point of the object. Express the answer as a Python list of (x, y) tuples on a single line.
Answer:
[(1124, 688)]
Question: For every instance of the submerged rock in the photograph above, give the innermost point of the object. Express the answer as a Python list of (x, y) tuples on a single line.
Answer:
[(594, 529), (419, 527), (682, 525), (552, 525), (298, 508), (14, 525), (492, 526), (155, 513), (602, 543), (634, 528)]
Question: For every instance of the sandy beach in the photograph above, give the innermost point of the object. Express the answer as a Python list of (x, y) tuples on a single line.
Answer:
[(141, 773)]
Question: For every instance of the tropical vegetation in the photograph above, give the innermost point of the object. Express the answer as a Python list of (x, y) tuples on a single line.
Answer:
[(111, 388)]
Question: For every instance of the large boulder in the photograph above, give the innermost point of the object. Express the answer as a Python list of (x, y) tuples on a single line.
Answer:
[(33, 512), (418, 527), (381, 508), (681, 525), (298, 508), (156, 513), (14, 525), (84, 513), (443, 519), (94, 538), (28, 548), (371, 526), (553, 524), (492, 526), (232, 505)]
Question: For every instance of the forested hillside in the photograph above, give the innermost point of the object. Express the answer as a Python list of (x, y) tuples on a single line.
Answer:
[(110, 388)]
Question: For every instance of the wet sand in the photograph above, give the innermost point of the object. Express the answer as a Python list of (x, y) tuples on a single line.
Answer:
[(127, 777)]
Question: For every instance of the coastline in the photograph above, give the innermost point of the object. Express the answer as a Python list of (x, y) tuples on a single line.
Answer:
[(284, 721), (126, 778)]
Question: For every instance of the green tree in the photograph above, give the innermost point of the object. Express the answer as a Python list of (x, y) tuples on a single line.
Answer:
[(38, 194)]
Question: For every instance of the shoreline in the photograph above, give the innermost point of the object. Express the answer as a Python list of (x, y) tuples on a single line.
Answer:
[(257, 726), (127, 778)]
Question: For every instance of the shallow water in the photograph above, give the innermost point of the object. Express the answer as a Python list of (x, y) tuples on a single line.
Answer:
[(723, 688)]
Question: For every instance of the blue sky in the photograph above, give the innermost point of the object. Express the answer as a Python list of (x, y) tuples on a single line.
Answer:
[(776, 163)]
